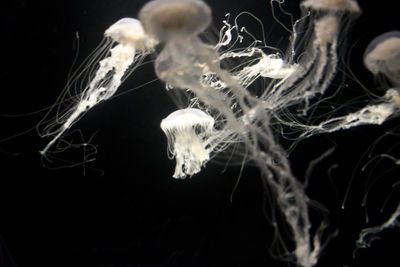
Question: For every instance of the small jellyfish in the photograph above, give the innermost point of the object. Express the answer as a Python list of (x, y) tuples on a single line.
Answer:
[(191, 138), (382, 56), (115, 63)]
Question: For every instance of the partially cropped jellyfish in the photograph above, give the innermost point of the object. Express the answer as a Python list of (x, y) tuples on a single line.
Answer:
[(323, 24), (382, 57), (124, 48)]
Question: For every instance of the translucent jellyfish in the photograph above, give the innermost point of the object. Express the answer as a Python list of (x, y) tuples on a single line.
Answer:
[(189, 147), (115, 63), (324, 23), (191, 139), (382, 56)]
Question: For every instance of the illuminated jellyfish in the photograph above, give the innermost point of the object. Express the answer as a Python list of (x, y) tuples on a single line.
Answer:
[(182, 64), (323, 22), (124, 47), (191, 139)]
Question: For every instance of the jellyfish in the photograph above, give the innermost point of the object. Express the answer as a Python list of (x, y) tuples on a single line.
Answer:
[(191, 139), (382, 56), (322, 26), (123, 49)]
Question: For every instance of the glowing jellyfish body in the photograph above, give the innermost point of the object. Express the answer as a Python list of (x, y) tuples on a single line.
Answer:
[(187, 131), (132, 46), (382, 56)]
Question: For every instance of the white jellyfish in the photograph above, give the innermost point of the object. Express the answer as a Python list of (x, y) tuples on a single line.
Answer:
[(315, 50), (115, 63), (187, 131), (191, 139)]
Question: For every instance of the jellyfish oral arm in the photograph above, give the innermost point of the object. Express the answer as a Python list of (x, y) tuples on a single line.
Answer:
[(103, 87)]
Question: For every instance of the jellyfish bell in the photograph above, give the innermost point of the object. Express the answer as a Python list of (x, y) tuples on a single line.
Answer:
[(382, 56), (125, 29), (334, 5), (129, 31), (172, 19)]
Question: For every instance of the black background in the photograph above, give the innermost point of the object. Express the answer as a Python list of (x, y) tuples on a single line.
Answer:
[(124, 208)]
